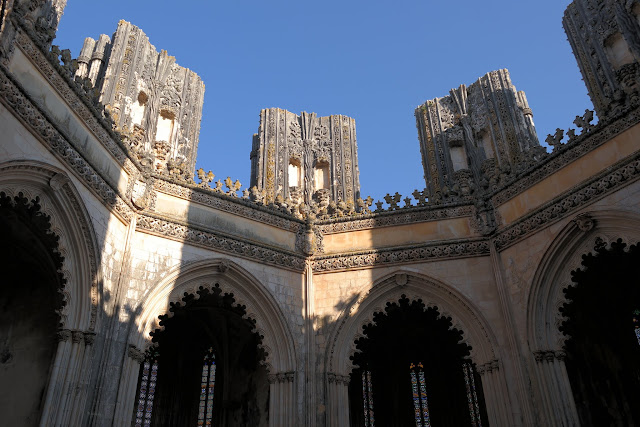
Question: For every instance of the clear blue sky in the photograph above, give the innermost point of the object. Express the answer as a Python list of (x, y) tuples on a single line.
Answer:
[(371, 60)]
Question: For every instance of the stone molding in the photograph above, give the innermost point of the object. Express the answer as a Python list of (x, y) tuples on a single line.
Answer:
[(229, 204), (268, 319), (416, 253), (281, 377), (220, 242), (71, 225), (488, 367), (567, 153), (135, 353), (400, 217), (612, 179), (15, 99), (338, 379), (564, 255), (64, 87), (341, 342)]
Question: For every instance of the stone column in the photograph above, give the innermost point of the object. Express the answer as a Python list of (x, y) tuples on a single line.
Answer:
[(494, 387), (57, 378), (68, 392), (338, 400), (555, 390), (127, 389), (78, 410), (281, 399)]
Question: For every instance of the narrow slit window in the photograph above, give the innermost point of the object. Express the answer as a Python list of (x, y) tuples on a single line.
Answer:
[(367, 398), (472, 395), (636, 324), (419, 389), (207, 385), (147, 391)]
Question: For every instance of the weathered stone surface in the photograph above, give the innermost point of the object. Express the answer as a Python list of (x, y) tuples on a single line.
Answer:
[(492, 241)]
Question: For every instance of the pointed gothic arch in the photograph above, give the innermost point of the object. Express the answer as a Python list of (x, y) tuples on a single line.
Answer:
[(258, 304), (546, 297), (389, 289), (51, 192)]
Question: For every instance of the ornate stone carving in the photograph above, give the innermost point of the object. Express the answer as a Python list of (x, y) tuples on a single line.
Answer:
[(398, 256), (584, 222), (401, 279), (63, 335), (89, 338), (604, 37), (487, 120), (220, 242), (600, 185), (160, 109), (314, 148), (135, 353)]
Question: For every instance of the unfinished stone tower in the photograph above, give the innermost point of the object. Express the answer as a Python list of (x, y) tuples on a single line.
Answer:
[(305, 158), (605, 38), (155, 102), (473, 130)]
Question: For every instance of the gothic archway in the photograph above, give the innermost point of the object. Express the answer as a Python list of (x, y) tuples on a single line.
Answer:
[(209, 369), (30, 302), (248, 293), (451, 304), (603, 347), (413, 368), (555, 396)]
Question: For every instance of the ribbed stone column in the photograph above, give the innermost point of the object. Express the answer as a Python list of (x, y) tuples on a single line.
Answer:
[(127, 390), (281, 399), (338, 400), (555, 389), (496, 395)]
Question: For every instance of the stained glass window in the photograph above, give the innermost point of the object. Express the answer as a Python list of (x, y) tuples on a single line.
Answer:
[(207, 385), (472, 395), (367, 398), (147, 390), (636, 324), (419, 389)]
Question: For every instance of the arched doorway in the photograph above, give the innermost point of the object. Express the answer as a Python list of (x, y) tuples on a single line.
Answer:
[(30, 299), (602, 347), (208, 364), (413, 369)]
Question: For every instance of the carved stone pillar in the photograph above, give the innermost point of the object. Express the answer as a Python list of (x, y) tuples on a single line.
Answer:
[(337, 400), (281, 399), (82, 383), (58, 371), (555, 389), (127, 389), (496, 394)]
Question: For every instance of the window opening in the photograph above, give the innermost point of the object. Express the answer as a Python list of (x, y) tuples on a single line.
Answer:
[(636, 323), (147, 389), (367, 398), (207, 385), (472, 396), (420, 405)]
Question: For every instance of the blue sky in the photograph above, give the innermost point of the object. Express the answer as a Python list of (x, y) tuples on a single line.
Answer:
[(371, 60)]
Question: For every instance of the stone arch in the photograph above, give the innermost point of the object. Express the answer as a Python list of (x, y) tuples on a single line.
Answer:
[(563, 256), (451, 303), (70, 221), (259, 305)]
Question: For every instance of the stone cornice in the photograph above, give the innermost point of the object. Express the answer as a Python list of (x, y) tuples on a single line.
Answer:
[(601, 185), (65, 86), (220, 242), (234, 205), (402, 255), (567, 153), (393, 218), (54, 138)]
